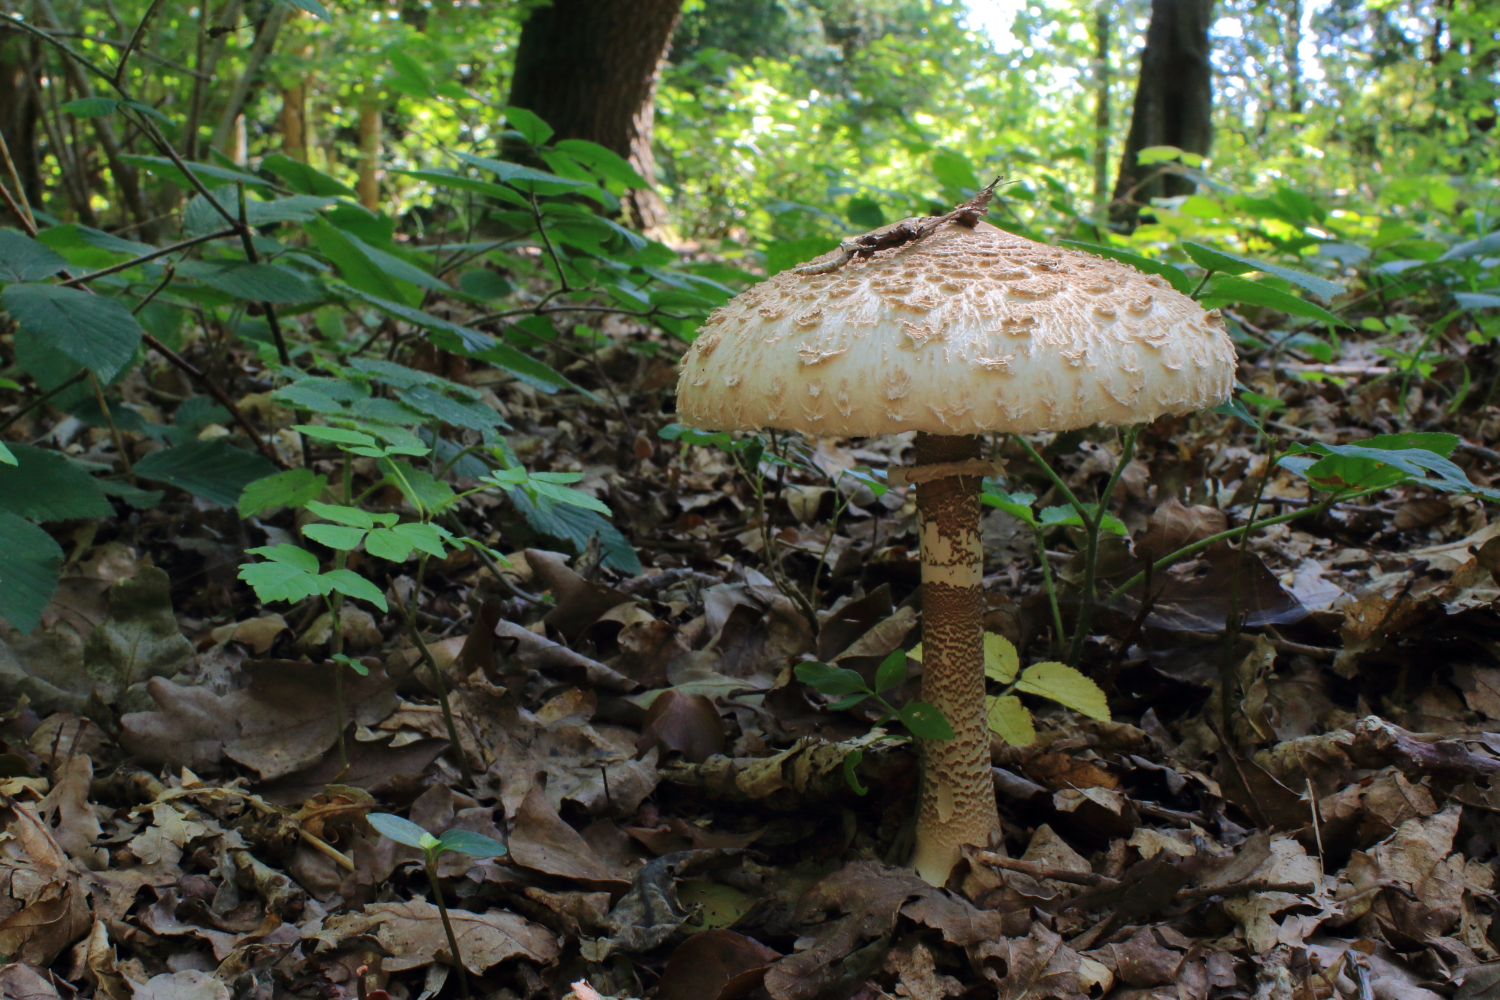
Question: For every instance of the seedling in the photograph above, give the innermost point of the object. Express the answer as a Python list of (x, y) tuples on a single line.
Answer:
[(475, 845)]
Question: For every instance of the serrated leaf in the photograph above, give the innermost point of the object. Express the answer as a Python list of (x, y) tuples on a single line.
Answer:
[(91, 331), (44, 485), (166, 168), (892, 671), (350, 583), (1010, 720), (1001, 661), (336, 435), (293, 488), (577, 525), (354, 517), (475, 845), (251, 282), (30, 561), (1066, 686), (335, 536), (281, 580), (24, 259), (925, 721), (402, 831), (214, 470)]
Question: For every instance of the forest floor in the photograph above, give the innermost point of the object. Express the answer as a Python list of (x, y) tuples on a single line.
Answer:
[(1298, 806)]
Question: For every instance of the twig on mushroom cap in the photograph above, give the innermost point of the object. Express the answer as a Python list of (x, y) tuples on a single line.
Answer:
[(906, 231)]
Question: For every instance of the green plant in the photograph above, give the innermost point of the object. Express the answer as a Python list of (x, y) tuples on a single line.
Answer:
[(476, 845)]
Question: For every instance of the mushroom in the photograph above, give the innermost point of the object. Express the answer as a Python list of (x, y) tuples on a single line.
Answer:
[(965, 330)]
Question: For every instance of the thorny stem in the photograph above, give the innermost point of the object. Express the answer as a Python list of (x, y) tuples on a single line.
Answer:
[(1091, 556), (429, 864), (409, 612)]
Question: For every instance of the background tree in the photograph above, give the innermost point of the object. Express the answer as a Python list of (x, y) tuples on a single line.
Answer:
[(1173, 105), (589, 69)]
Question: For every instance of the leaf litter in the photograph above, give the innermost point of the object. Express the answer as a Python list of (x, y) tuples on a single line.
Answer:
[(1282, 787)]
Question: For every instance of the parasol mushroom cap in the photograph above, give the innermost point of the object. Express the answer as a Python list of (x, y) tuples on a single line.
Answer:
[(967, 331)]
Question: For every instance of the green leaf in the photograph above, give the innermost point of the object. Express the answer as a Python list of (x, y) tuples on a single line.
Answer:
[(336, 435), (475, 845), (892, 671), (214, 470), (1010, 720), (528, 123), (30, 561), (460, 413), (335, 536), (396, 544), (577, 525), (290, 574), (1174, 275), (43, 485), (1223, 288), (24, 259), (402, 831), (865, 212), (311, 6), (251, 282), (1001, 661), (1067, 687), (1017, 505), (7, 457), (164, 167), (353, 517), (925, 721), (827, 679), (91, 331), (350, 583), (91, 107), (293, 488), (355, 266), (304, 179), (954, 170), (1232, 263), (605, 162), (852, 760)]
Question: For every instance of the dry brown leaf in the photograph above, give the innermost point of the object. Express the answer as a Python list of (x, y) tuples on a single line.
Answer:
[(715, 965), (282, 722), (412, 934), (542, 841), (43, 903), (189, 984), (688, 724)]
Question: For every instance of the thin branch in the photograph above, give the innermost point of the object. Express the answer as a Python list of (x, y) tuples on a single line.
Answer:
[(219, 395), (82, 278)]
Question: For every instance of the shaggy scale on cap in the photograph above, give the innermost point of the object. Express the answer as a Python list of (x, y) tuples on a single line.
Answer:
[(963, 332)]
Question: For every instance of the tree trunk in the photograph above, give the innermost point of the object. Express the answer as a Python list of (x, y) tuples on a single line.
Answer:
[(1173, 105), (294, 121), (18, 115), (1101, 115), (588, 68), (367, 184)]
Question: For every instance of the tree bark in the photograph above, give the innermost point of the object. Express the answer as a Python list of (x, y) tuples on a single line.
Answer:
[(18, 114), (294, 121), (588, 68), (367, 182), (1173, 105), (957, 802), (1101, 115)]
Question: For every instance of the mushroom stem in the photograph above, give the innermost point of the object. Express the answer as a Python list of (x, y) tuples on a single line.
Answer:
[(958, 793)]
